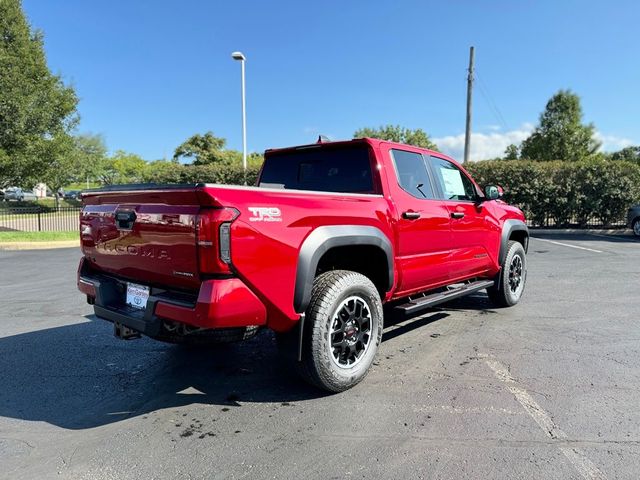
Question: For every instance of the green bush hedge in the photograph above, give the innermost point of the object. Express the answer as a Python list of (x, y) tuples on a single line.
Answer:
[(565, 193), (223, 174)]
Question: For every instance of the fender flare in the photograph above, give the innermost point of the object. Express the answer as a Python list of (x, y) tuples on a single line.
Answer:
[(321, 240), (510, 226)]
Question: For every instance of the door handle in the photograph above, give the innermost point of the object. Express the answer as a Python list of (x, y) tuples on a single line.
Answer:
[(411, 215), (457, 215)]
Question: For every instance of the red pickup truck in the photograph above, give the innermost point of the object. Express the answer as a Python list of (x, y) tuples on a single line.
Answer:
[(331, 232)]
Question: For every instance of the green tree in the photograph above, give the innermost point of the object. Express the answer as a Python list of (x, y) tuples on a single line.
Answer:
[(561, 134), (396, 133), (630, 154), (76, 160), (208, 149), (255, 160), (123, 167), (160, 171), (88, 156), (204, 149), (37, 111), (512, 152), (61, 166)]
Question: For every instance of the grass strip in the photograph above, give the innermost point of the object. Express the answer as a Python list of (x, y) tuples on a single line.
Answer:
[(38, 236)]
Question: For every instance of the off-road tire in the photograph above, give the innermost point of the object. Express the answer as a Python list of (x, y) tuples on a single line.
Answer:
[(330, 291), (503, 293)]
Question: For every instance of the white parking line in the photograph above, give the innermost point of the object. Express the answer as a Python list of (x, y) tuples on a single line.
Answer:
[(568, 245), (576, 456)]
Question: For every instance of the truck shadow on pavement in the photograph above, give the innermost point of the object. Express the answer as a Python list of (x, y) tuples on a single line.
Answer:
[(79, 376)]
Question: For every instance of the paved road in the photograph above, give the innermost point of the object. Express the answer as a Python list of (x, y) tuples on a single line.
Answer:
[(548, 389)]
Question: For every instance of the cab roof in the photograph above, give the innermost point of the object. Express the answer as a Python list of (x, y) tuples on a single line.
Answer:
[(343, 143)]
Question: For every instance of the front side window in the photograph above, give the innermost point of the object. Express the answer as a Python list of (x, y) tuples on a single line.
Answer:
[(454, 184), (412, 173)]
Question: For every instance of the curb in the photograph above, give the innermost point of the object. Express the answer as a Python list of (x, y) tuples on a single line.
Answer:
[(39, 245), (565, 231)]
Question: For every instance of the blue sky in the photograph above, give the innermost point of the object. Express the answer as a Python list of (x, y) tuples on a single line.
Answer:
[(151, 73)]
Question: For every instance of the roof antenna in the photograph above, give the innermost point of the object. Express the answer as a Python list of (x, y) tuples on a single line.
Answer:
[(323, 139)]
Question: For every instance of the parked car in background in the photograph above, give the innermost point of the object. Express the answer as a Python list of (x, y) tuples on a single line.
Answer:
[(20, 195), (72, 195), (633, 219)]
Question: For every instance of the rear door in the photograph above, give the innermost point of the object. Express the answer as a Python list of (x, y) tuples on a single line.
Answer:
[(472, 227), (423, 230)]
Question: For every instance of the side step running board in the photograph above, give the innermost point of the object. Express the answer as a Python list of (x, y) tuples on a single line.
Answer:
[(427, 301)]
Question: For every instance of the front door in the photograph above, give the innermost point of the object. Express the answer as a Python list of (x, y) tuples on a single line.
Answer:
[(472, 226)]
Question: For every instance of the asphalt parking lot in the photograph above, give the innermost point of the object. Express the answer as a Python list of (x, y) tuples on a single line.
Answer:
[(548, 389)]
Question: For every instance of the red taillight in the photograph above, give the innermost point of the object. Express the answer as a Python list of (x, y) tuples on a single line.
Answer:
[(213, 235)]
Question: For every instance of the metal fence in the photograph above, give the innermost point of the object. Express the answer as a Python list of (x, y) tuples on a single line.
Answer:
[(39, 219), (574, 221)]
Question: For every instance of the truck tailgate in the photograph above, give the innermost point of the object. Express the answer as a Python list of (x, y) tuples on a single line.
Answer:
[(144, 236)]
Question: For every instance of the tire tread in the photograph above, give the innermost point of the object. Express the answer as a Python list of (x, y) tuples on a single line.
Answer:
[(498, 294), (327, 287)]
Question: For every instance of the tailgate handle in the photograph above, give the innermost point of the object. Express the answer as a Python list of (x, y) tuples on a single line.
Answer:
[(125, 219)]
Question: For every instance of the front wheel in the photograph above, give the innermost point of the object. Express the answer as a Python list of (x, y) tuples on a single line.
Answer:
[(342, 331), (636, 227), (510, 281)]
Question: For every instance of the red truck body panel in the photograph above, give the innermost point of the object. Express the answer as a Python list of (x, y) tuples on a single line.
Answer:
[(265, 253), (162, 248)]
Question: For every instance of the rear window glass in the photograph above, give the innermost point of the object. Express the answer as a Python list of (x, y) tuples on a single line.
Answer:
[(321, 169)]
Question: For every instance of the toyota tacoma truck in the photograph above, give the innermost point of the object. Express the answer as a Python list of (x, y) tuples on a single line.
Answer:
[(331, 232)]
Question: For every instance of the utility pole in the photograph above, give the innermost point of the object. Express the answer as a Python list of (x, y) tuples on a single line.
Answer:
[(467, 132)]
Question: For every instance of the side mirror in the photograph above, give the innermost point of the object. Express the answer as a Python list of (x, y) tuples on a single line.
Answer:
[(493, 192)]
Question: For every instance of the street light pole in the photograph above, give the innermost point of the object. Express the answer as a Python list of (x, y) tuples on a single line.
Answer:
[(240, 56)]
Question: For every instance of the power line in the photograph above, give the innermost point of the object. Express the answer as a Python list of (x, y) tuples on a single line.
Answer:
[(492, 104)]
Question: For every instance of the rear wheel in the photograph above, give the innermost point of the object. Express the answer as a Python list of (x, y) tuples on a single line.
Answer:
[(343, 329), (511, 280), (635, 226)]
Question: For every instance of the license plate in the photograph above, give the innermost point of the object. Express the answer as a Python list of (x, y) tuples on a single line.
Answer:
[(137, 295)]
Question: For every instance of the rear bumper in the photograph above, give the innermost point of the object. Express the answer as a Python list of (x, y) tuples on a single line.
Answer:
[(221, 303)]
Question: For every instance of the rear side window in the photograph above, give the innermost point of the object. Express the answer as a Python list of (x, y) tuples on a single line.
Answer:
[(454, 184), (321, 169), (412, 173)]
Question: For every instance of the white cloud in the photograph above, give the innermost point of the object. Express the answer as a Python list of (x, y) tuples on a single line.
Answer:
[(492, 145), (483, 145), (612, 143)]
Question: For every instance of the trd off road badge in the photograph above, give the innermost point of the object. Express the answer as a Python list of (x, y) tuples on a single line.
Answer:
[(265, 214)]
